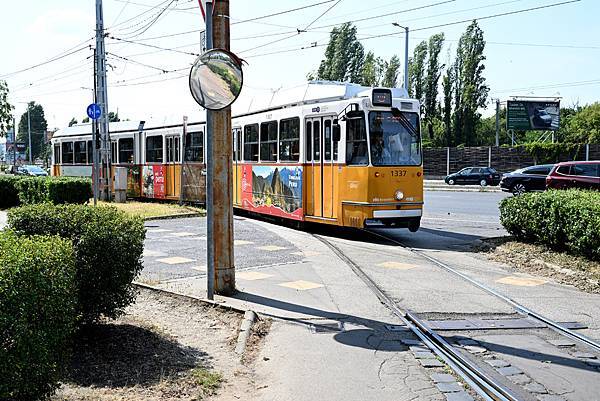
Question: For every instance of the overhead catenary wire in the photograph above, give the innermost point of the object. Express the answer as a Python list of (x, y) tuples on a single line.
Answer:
[(137, 62), (154, 46)]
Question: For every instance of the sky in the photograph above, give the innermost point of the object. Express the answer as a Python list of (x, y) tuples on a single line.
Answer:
[(551, 52)]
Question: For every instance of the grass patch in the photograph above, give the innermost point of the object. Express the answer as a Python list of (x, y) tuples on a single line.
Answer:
[(149, 210), (210, 381), (540, 260)]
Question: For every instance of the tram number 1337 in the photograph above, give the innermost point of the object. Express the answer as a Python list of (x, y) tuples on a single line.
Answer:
[(398, 173)]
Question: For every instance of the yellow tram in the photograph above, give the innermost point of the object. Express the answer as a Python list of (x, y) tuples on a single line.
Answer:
[(325, 152)]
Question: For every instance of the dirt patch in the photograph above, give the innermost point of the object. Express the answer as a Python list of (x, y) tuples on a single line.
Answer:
[(579, 272), (164, 348)]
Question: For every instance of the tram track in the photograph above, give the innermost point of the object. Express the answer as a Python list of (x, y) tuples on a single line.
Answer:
[(488, 388), (476, 377)]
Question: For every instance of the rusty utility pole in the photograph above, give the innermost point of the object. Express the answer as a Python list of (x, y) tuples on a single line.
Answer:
[(220, 178)]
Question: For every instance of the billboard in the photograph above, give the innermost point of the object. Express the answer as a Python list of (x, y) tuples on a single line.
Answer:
[(526, 115)]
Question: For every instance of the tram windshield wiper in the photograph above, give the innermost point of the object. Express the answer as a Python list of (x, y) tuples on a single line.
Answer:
[(412, 130)]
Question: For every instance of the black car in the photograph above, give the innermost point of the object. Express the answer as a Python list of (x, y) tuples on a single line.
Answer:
[(526, 179), (474, 176)]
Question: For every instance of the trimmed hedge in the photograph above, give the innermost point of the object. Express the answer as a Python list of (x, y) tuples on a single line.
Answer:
[(37, 314), (563, 220), (9, 194), (16, 190), (108, 251)]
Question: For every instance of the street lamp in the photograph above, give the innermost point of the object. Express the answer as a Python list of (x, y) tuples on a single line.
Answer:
[(405, 53)]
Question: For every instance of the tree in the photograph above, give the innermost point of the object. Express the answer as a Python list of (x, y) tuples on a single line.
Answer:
[(471, 90), (113, 117), (5, 109), (344, 56), (447, 109), (72, 122), (584, 127), (434, 70), (39, 127), (390, 77), (416, 71), (369, 71)]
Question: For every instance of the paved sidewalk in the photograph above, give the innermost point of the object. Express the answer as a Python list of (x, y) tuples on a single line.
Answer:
[(329, 338), (3, 217), (440, 185)]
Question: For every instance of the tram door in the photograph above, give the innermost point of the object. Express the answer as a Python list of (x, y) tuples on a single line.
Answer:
[(320, 179), (237, 168)]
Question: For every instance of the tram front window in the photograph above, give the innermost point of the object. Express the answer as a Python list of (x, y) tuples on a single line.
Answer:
[(395, 138)]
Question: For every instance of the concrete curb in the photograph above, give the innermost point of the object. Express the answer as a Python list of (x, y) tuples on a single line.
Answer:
[(442, 189), (175, 216), (245, 331)]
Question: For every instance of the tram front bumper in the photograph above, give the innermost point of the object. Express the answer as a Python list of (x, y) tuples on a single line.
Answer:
[(397, 214)]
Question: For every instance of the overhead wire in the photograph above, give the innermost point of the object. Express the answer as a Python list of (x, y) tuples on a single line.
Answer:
[(137, 62), (154, 46)]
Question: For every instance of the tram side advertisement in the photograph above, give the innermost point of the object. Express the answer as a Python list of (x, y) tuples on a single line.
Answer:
[(532, 115), (273, 190), (153, 180)]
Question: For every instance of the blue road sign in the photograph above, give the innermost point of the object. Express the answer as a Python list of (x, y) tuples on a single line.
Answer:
[(93, 111)]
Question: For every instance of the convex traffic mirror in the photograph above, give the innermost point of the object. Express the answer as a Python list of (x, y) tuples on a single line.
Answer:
[(216, 79)]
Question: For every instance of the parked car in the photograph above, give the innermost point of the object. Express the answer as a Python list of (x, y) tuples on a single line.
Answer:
[(34, 171), (474, 176), (526, 179), (583, 175), (541, 118), (15, 170)]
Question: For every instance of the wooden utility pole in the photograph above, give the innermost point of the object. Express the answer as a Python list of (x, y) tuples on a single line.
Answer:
[(220, 206)]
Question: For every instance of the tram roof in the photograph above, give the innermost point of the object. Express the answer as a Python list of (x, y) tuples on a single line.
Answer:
[(314, 92)]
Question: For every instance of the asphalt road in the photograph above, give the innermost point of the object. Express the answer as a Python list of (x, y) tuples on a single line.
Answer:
[(463, 213)]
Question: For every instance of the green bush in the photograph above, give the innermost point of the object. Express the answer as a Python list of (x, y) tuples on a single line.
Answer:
[(108, 251), (32, 190), (37, 314), (563, 220), (69, 190), (9, 194)]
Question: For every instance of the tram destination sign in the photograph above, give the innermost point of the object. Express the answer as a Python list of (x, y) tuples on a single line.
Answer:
[(525, 115)]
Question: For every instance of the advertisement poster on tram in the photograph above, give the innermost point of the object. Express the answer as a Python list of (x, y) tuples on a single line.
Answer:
[(274, 190), (134, 180), (154, 181)]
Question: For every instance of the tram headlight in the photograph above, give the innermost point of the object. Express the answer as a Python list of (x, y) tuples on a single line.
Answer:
[(399, 195)]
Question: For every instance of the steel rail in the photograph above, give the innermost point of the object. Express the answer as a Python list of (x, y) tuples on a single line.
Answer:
[(484, 385), (520, 308)]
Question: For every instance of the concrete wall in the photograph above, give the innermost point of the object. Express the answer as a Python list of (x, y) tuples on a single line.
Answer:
[(436, 162)]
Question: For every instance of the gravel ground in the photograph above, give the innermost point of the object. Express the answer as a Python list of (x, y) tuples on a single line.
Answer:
[(164, 348), (579, 272)]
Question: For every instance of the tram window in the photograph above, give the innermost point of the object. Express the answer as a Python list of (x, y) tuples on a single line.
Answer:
[(173, 149), (336, 140), (113, 152), (327, 140), (57, 154), (194, 147), (316, 141), (308, 141), (289, 139), (90, 152), (126, 150), (67, 153), (356, 142), (268, 141), (80, 152), (154, 149), (251, 143)]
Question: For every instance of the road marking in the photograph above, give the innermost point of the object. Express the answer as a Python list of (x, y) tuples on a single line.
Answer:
[(201, 268), (159, 230), (175, 260), (397, 265), (148, 252), (183, 234), (271, 248), (301, 285), (305, 253), (251, 276), (521, 281), (242, 242)]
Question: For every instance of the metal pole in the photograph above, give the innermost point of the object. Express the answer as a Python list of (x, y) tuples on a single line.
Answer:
[(94, 140), (102, 96), (14, 142), (29, 133), (210, 212), (406, 59), (497, 122), (221, 180)]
